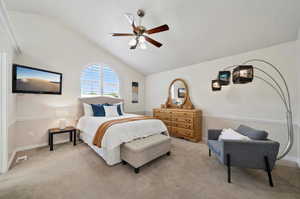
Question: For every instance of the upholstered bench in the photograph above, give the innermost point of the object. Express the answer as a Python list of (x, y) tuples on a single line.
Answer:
[(141, 151)]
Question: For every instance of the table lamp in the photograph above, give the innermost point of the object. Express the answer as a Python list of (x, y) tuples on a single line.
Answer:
[(62, 114)]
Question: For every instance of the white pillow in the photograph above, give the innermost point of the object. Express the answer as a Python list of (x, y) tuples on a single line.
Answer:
[(111, 111), (230, 134), (88, 110)]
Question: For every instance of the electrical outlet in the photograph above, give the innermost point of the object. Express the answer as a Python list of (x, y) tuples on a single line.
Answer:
[(21, 158)]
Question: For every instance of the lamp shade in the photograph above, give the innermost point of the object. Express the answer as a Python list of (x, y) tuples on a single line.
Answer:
[(62, 114), (242, 74), (224, 77), (215, 85)]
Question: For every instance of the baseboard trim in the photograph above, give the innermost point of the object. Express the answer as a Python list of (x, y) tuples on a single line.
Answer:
[(292, 159), (25, 148), (12, 159), (30, 148)]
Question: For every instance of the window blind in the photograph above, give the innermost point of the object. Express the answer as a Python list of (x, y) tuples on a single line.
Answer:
[(99, 80)]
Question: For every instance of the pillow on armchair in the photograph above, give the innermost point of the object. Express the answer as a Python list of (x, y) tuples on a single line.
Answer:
[(230, 134), (252, 133)]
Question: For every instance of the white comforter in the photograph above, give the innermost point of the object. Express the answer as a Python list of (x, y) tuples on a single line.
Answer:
[(123, 132)]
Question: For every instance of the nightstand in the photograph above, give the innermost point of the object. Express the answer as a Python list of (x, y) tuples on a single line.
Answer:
[(71, 130)]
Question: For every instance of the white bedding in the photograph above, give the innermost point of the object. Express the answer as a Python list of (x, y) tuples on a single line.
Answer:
[(117, 134)]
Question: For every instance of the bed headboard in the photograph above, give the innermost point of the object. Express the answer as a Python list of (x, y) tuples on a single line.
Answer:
[(97, 100), (100, 100)]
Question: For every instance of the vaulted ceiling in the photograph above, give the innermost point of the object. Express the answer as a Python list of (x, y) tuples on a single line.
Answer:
[(200, 30)]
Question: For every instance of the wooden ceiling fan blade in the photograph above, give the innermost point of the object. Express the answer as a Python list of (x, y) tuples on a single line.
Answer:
[(158, 29), (122, 34), (152, 41)]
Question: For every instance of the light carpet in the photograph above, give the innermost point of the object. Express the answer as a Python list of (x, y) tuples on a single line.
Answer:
[(78, 172)]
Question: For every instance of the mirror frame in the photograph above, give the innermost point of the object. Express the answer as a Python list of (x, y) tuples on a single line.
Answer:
[(187, 104)]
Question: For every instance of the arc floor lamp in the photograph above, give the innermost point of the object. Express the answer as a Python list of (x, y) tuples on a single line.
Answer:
[(244, 73)]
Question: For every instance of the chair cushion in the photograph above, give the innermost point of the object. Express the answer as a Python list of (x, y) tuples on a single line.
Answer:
[(215, 146), (252, 133)]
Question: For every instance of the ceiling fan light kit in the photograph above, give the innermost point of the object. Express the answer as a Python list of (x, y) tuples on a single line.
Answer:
[(132, 42), (139, 32)]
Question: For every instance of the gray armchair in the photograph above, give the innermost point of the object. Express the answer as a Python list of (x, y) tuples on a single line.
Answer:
[(258, 153)]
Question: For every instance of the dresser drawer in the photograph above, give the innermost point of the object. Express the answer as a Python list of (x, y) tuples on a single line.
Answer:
[(161, 111), (167, 122), (183, 125), (163, 116), (182, 131), (183, 114), (160, 114), (181, 119)]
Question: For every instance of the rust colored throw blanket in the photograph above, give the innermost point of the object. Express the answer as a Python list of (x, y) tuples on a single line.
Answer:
[(104, 126)]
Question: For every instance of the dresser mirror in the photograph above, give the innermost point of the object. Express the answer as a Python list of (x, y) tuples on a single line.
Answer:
[(178, 92), (178, 95)]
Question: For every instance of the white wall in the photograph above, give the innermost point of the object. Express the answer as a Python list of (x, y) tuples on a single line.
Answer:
[(255, 103), (52, 46)]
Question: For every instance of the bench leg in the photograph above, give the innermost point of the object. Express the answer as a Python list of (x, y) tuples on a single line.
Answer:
[(136, 170), (209, 152)]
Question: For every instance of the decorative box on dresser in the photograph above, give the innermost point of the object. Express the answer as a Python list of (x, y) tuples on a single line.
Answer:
[(181, 123)]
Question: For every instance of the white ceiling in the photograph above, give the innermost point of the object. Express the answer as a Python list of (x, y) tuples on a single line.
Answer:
[(200, 30)]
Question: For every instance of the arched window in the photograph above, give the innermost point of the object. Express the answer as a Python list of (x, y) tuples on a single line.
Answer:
[(99, 80)]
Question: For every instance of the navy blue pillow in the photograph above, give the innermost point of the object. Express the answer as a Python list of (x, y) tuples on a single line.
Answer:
[(98, 110), (119, 109)]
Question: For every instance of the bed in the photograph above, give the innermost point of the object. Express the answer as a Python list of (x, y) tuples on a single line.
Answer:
[(116, 134)]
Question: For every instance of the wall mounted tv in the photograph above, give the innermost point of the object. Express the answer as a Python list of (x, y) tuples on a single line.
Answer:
[(37, 81)]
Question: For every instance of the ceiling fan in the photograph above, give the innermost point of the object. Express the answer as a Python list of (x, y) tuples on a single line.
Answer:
[(139, 32)]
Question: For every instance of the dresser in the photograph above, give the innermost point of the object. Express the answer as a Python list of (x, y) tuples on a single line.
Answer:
[(181, 123)]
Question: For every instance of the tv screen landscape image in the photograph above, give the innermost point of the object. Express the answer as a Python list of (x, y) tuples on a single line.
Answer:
[(33, 80)]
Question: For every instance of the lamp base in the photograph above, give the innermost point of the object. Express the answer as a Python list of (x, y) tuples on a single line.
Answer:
[(62, 124)]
